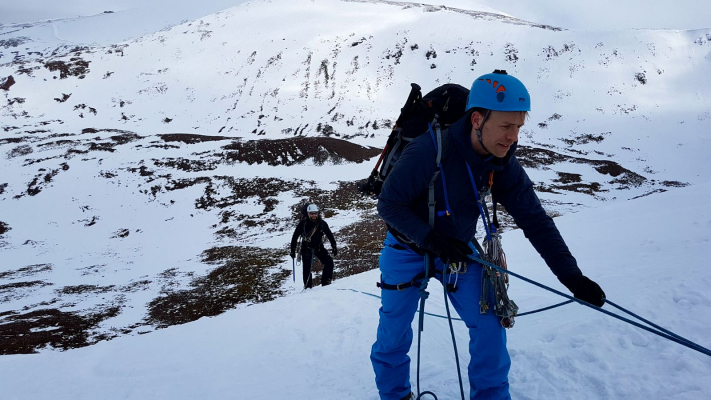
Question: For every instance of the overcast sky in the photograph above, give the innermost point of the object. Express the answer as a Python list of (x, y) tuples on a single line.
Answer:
[(592, 14)]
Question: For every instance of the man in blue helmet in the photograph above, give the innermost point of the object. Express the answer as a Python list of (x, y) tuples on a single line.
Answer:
[(479, 156)]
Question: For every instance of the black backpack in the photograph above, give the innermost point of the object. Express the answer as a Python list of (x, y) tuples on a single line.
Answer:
[(443, 105), (304, 212)]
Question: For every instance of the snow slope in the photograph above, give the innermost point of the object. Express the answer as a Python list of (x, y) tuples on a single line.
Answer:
[(646, 254)]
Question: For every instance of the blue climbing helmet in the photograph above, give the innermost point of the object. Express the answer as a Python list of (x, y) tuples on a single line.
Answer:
[(499, 91)]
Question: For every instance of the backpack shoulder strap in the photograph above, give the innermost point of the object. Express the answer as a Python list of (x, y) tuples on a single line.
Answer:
[(441, 142), (308, 237), (398, 142), (437, 139)]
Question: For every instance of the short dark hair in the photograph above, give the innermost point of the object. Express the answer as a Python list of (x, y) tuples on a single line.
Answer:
[(481, 110)]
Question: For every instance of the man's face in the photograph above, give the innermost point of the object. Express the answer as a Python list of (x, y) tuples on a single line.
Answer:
[(499, 133), (313, 215)]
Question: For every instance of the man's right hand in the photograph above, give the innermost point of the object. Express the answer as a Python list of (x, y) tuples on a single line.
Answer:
[(446, 248), (293, 254)]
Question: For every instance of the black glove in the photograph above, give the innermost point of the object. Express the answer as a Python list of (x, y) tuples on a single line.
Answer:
[(446, 248), (586, 290), (334, 251), (293, 254)]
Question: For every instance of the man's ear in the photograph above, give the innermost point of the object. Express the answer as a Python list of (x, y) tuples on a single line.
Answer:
[(476, 119)]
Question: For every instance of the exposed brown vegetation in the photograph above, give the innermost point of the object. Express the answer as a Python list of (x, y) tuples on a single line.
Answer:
[(18, 290), (24, 271), (74, 67), (245, 276), (359, 246), (297, 150), (190, 138), (534, 157), (3, 229), (26, 333), (6, 83)]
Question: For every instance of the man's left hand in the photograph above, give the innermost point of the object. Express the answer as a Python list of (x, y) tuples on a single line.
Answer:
[(335, 252), (585, 289)]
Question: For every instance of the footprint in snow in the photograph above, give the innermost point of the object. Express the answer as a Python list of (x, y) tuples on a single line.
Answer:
[(638, 339), (577, 342), (548, 337)]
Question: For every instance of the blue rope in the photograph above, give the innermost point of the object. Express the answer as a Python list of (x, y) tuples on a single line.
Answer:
[(660, 332), (544, 308), (689, 343), (478, 203)]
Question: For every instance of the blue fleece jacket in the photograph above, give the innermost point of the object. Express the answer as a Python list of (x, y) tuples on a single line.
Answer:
[(404, 197)]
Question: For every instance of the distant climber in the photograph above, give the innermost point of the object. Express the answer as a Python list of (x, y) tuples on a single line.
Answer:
[(311, 228)]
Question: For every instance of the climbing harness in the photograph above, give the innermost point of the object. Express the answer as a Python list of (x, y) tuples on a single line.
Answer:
[(428, 272), (307, 238)]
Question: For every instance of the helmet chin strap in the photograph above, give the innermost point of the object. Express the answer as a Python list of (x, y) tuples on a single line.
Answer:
[(478, 132)]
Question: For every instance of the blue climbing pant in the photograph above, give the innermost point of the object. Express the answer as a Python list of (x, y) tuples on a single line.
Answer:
[(489, 366)]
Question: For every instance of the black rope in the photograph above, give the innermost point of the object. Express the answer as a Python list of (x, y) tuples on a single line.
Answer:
[(424, 294), (459, 319), (451, 329), (426, 392)]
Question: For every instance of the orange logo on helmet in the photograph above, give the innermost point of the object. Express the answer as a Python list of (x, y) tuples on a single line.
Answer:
[(500, 95)]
